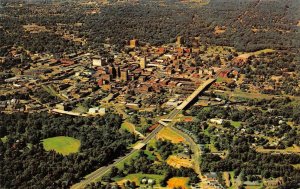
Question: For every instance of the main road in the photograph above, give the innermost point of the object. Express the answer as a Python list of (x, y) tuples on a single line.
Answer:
[(103, 170)]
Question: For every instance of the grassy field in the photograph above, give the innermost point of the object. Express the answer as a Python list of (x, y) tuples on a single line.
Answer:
[(169, 134), (212, 147), (176, 162), (4, 139), (62, 144), (292, 149), (254, 187), (236, 124), (246, 55), (178, 182), (238, 94), (80, 108), (233, 184), (187, 118), (226, 177), (152, 143), (128, 126), (49, 89), (120, 165), (144, 121), (150, 155), (220, 79), (138, 177), (297, 166)]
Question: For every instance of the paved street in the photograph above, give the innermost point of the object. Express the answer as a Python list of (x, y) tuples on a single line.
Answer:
[(103, 170)]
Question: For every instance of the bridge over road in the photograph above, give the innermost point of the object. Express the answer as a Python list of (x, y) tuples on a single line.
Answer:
[(103, 170), (200, 89)]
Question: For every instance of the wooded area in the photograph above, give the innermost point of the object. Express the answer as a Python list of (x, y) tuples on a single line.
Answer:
[(25, 164), (246, 26)]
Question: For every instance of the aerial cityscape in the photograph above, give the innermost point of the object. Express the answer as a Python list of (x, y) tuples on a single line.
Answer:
[(170, 94)]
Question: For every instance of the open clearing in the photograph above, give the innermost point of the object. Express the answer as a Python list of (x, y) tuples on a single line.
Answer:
[(62, 144), (50, 89), (247, 55), (169, 134), (138, 177), (34, 28), (178, 182), (178, 162), (236, 124), (128, 126), (226, 177), (296, 166), (4, 139), (292, 149), (232, 181), (120, 165)]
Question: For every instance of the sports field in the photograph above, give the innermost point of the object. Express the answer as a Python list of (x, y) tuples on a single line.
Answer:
[(62, 144)]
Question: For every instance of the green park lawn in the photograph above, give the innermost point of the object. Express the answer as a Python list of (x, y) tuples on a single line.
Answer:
[(62, 144)]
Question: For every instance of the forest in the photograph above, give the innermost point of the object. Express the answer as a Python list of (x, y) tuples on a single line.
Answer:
[(245, 161), (261, 71), (25, 164), (259, 122), (244, 22)]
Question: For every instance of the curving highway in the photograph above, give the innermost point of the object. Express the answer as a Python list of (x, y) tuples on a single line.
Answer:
[(103, 170)]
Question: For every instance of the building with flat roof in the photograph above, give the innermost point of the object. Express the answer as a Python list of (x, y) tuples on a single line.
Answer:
[(143, 62), (124, 75), (97, 111), (97, 61), (133, 43)]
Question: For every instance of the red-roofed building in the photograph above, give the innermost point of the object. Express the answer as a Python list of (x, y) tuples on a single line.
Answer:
[(66, 62), (161, 50)]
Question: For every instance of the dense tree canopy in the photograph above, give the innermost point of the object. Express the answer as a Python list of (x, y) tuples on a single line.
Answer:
[(25, 164)]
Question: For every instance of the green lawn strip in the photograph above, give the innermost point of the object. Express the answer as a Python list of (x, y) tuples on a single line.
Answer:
[(62, 144)]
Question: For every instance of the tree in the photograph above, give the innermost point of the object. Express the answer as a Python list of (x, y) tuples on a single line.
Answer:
[(227, 124)]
